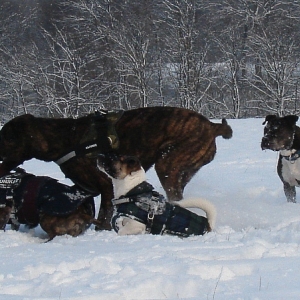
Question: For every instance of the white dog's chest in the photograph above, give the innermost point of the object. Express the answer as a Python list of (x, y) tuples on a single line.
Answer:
[(291, 171)]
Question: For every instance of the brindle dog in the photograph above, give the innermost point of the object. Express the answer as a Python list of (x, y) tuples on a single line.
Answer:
[(177, 141)]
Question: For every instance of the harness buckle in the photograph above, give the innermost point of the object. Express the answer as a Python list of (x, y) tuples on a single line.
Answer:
[(150, 216), (292, 160)]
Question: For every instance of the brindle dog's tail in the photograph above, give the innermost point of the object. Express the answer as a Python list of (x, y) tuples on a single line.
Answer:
[(223, 129)]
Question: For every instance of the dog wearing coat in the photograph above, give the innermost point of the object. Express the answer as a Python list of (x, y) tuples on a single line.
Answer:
[(283, 135), (32, 200), (139, 209)]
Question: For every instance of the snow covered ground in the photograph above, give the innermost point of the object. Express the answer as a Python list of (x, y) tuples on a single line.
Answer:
[(252, 254)]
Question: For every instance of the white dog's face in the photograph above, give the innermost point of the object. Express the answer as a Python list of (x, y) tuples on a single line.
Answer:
[(126, 172)]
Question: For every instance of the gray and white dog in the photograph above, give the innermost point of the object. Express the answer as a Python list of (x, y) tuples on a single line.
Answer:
[(281, 134)]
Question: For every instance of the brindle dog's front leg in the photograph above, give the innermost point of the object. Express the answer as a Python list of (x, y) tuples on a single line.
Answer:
[(106, 209), (104, 217)]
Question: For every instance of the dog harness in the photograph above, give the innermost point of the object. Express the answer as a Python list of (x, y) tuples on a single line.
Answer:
[(7, 185), (30, 195), (100, 136), (147, 206)]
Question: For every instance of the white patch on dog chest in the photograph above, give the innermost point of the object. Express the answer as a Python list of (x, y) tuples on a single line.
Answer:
[(291, 171)]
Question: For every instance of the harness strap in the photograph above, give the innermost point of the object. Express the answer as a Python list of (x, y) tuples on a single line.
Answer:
[(81, 150), (118, 201), (152, 211), (65, 158), (100, 135)]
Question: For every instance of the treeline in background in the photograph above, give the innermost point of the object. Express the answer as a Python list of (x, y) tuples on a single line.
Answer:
[(232, 58)]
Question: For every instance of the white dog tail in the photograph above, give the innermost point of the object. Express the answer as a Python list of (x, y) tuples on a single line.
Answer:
[(203, 204)]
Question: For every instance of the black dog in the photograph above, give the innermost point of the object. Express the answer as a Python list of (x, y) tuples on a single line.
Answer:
[(281, 134), (32, 200)]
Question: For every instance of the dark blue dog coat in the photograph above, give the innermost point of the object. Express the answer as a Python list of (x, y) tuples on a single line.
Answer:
[(160, 217), (31, 195)]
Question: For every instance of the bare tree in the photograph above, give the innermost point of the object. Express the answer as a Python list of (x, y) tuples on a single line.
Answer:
[(232, 58), (186, 49), (73, 76), (133, 51), (16, 29), (275, 53)]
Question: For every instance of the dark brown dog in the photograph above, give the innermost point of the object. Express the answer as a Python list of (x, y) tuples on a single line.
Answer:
[(177, 141)]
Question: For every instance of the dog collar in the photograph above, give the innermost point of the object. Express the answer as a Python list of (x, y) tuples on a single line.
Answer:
[(290, 155)]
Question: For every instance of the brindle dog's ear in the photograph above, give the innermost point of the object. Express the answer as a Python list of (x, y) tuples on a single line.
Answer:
[(269, 118), (291, 119)]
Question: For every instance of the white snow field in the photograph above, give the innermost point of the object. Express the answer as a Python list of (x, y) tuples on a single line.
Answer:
[(253, 253)]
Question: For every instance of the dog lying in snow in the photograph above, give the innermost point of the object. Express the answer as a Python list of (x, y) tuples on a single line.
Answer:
[(32, 200), (139, 209)]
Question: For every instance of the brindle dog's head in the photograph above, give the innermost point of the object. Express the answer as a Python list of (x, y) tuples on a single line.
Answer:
[(118, 166), (279, 132), (15, 140)]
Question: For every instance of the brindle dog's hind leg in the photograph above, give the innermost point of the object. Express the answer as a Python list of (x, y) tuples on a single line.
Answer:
[(170, 180), (175, 175), (177, 166)]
